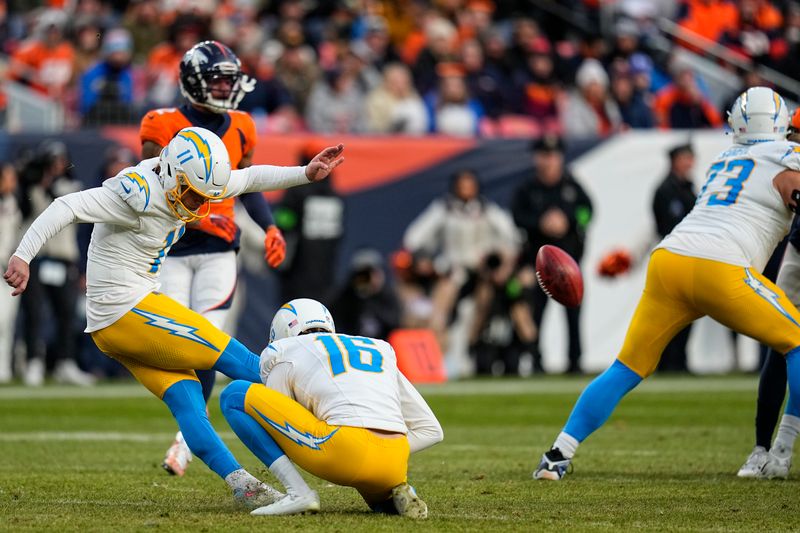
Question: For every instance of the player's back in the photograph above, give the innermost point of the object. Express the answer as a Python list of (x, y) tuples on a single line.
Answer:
[(739, 216), (344, 380)]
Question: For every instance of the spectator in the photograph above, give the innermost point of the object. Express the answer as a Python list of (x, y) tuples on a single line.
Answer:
[(336, 105), (269, 96), (673, 200), (107, 88), (589, 111), (10, 219), (552, 208), (141, 19), (312, 221), (366, 305), (297, 69), (538, 86), (87, 44), (376, 37), (756, 31), (395, 106), (460, 229), (681, 104), (440, 48), (707, 18), (451, 109), (54, 274), (487, 84), (164, 59), (45, 61), (632, 104)]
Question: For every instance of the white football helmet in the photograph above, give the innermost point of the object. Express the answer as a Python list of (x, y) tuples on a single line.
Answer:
[(194, 160), (298, 316), (758, 115)]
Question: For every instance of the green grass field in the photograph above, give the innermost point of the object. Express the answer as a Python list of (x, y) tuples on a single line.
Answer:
[(89, 459)]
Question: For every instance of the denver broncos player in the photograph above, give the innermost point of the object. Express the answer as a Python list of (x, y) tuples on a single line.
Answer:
[(710, 264), (139, 215), (201, 272), (337, 406)]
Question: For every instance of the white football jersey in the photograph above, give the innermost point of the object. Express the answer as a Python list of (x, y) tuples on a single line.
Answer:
[(134, 230), (345, 381), (739, 217)]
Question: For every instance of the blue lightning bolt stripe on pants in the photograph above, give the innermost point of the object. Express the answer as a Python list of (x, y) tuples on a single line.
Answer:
[(271, 424), (678, 290), (161, 343)]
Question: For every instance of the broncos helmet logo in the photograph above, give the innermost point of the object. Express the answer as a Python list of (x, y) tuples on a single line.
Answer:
[(202, 148)]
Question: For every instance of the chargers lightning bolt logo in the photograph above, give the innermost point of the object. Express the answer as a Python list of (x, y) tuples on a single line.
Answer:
[(765, 292), (174, 328), (202, 147), (140, 182), (290, 432)]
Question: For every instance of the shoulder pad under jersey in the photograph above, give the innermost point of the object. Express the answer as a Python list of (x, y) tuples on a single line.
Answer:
[(137, 186)]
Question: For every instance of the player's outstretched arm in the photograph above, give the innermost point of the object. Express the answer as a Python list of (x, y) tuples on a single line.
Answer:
[(261, 178), (787, 184)]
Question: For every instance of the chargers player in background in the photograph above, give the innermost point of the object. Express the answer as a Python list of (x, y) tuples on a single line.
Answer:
[(337, 406), (201, 271), (138, 215), (709, 265), (774, 461)]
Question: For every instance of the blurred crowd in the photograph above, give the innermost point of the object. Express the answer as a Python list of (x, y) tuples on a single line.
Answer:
[(456, 67)]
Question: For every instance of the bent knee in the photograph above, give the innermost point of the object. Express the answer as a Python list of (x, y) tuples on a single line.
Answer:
[(233, 395)]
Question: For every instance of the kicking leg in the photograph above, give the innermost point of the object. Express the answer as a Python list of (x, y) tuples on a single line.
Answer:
[(661, 313)]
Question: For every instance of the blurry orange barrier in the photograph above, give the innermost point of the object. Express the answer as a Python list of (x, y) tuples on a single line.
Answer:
[(418, 355)]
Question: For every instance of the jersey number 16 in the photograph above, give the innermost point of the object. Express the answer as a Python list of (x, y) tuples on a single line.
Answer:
[(361, 353)]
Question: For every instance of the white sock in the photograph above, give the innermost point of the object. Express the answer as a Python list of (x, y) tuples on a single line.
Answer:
[(241, 479), (289, 477), (787, 433), (567, 444)]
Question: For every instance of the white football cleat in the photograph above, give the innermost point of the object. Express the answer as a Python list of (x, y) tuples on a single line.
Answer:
[(178, 457), (257, 495), (407, 502), (779, 461), (290, 504), (753, 467)]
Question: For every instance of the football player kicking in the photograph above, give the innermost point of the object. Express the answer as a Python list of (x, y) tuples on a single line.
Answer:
[(201, 271), (337, 406), (138, 216), (710, 265)]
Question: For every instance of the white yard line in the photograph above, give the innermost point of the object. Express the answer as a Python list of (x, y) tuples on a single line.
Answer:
[(501, 387), (93, 436)]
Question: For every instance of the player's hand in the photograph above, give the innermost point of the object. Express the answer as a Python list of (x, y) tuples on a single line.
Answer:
[(324, 162), (17, 275), (274, 247)]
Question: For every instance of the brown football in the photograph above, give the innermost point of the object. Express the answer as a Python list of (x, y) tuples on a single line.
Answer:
[(559, 275)]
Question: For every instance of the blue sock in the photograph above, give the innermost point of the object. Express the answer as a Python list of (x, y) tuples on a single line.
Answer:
[(237, 362), (246, 428), (793, 377), (599, 399), (207, 379), (185, 400)]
